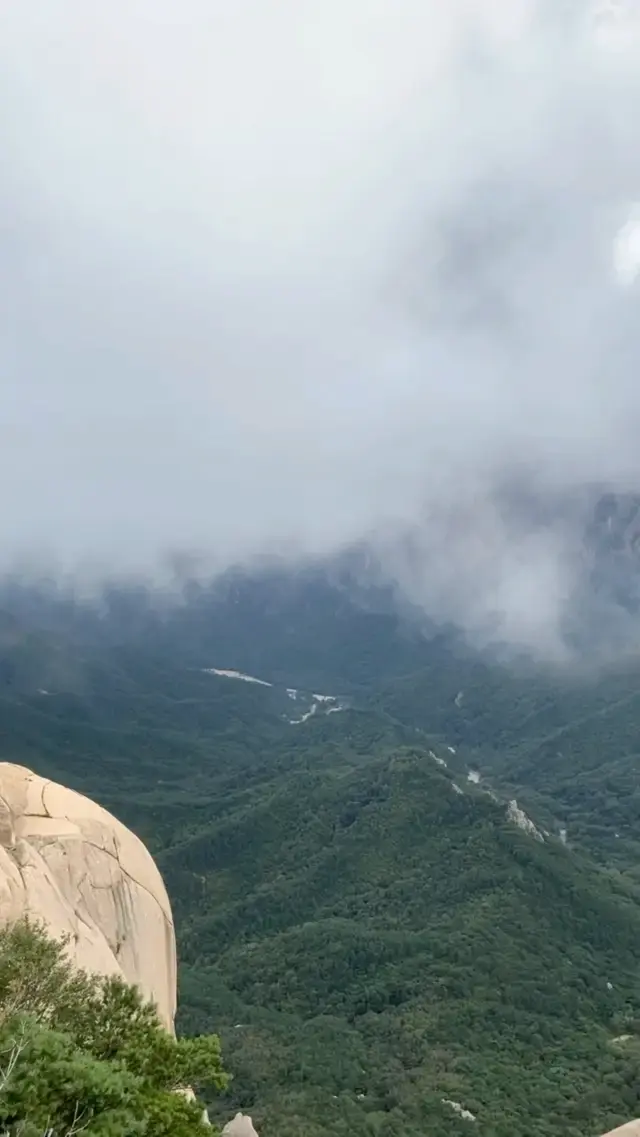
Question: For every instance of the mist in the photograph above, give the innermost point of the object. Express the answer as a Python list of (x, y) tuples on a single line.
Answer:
[(279, 276)]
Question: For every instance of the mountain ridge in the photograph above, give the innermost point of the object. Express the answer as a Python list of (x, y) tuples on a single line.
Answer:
[(373, 943)]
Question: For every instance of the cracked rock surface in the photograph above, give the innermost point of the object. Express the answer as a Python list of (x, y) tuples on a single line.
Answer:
[(66, 861)]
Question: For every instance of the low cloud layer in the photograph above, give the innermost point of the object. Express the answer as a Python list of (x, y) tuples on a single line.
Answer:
[(280, 274)]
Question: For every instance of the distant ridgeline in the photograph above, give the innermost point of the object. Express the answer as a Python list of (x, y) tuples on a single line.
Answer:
[(417, 915)]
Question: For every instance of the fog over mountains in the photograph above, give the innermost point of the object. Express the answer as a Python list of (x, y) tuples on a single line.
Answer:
[(280, 278)]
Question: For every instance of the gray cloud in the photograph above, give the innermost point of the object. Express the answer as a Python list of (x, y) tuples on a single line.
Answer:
[(278, 274)]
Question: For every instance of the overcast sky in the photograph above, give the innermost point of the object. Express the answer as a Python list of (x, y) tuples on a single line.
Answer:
[(278, 273)]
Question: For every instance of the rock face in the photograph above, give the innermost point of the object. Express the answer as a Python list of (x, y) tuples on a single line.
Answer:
[(240, 1126), (631, 1129), (66, 861), (519, 818)]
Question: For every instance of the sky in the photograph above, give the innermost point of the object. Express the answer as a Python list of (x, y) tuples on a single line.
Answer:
[(278, 275)]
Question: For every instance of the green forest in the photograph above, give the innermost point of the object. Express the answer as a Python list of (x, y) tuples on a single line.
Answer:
[(380, 947), (85, 1054)]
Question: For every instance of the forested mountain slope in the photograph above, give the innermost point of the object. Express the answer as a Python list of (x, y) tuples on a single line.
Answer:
[(380, 945)]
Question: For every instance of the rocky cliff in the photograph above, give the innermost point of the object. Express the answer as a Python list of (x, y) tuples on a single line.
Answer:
[(66, 861)]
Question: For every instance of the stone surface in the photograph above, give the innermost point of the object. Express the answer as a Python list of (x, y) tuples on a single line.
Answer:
[(69, 863), (240, 1126), (631, 1129)]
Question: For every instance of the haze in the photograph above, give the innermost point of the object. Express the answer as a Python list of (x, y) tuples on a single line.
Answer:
[(280, 274)]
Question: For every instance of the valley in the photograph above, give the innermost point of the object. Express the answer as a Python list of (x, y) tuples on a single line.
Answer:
[(401, 918)]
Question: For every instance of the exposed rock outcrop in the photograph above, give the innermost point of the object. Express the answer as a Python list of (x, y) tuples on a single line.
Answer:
[(66, 861), (240, 1126), (631, 1129), (519, 818)]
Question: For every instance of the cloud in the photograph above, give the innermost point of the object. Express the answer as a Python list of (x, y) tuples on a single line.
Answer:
[(280, 274)]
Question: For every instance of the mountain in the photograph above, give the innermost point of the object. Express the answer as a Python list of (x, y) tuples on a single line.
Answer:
[(614, 536), (376, 940), (568, 743), (385, 943)]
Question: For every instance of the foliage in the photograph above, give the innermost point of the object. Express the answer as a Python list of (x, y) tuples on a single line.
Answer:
[(370, 942), (84, 1053)]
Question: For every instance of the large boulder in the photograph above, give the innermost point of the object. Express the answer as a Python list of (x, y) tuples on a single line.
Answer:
[(67, 862), (240, 1126)]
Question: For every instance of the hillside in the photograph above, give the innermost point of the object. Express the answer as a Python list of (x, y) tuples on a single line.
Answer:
[(568, 744), (380, 950), (370, 942)]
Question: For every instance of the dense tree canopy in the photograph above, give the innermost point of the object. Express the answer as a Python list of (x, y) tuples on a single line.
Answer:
[(85, 1054), (370, 935)]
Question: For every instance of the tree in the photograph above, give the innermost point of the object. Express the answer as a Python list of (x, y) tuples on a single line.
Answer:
[(86, 1054)]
